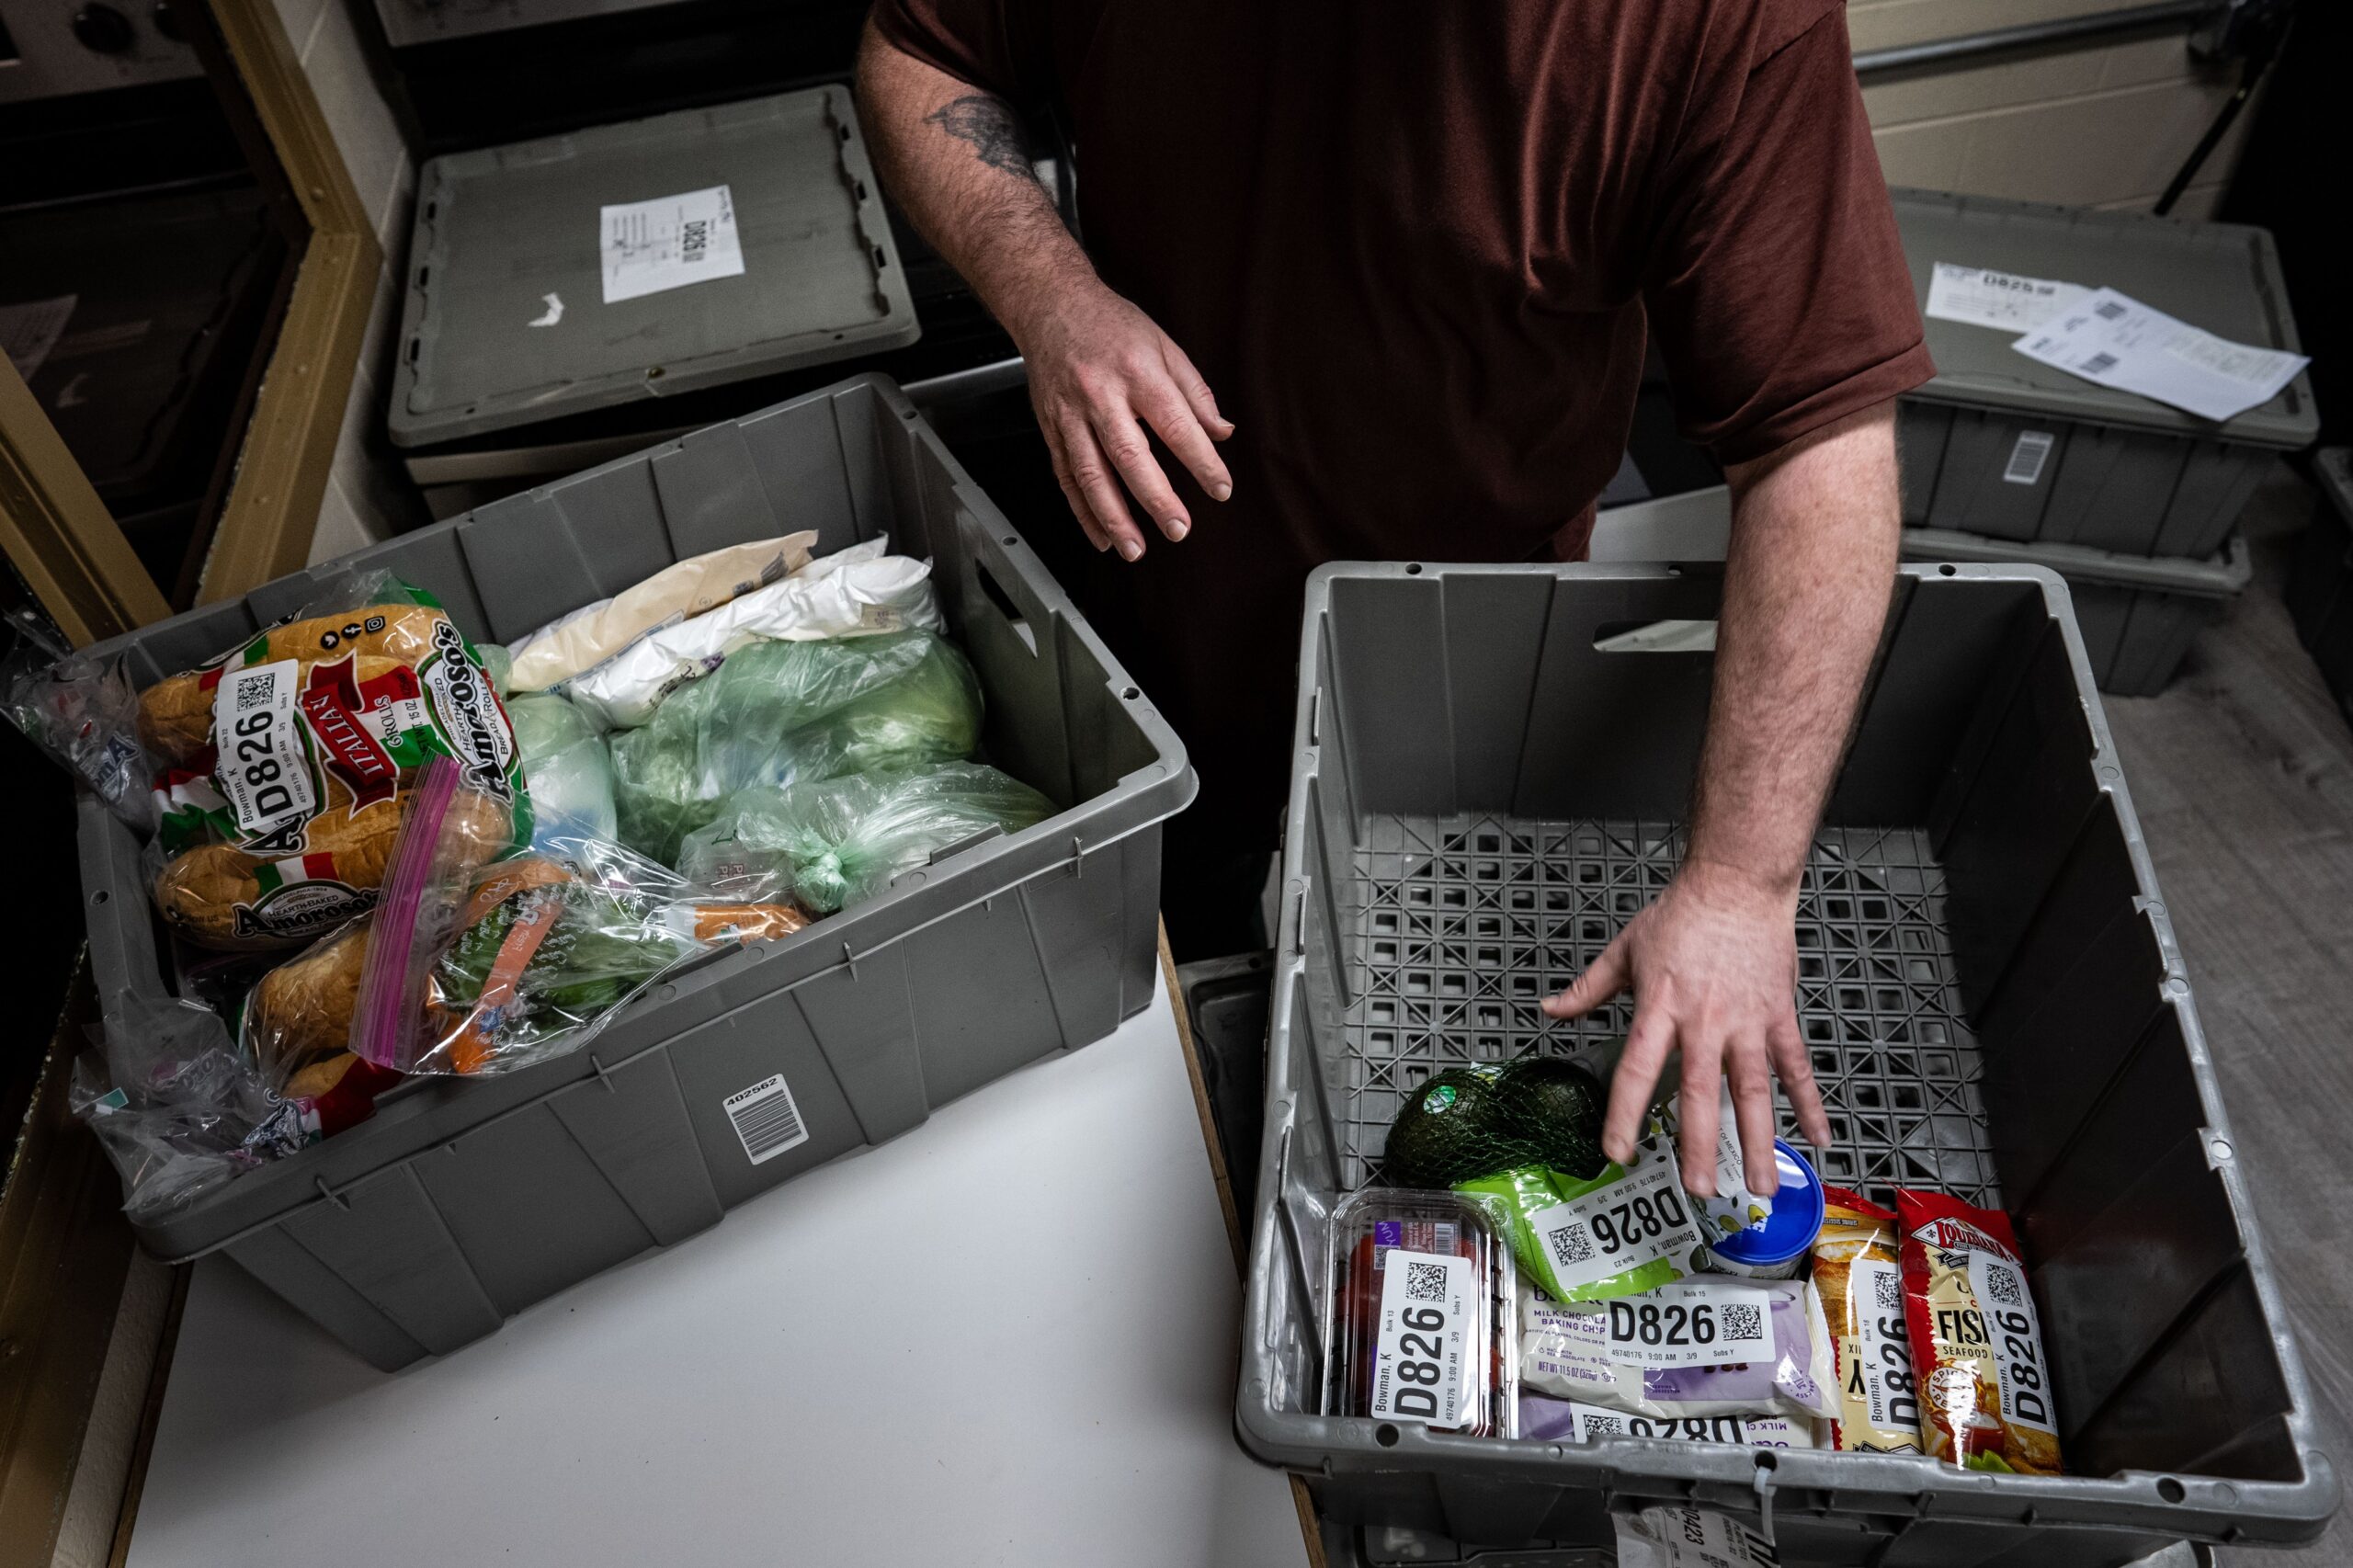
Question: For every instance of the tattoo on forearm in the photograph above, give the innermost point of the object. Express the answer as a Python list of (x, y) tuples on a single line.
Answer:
[(989, 127)]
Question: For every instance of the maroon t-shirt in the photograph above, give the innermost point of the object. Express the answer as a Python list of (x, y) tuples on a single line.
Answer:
[(1416, 249)]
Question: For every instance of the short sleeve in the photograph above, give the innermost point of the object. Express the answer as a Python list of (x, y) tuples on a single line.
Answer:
[(1777, 286), (985, 42)]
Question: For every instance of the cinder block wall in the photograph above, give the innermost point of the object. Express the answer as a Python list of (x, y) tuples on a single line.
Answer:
[(2101, 125)]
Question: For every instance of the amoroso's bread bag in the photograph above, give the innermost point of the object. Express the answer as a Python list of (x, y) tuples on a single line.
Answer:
[(287, 763), (1986, 1397)]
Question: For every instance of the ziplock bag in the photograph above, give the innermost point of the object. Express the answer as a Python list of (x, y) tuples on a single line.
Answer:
[(861, 591), (783, 713), (472, 969), (837, 841), (1710, 1345)]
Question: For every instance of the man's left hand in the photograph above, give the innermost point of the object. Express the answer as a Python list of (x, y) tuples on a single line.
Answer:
[(1713, 968)]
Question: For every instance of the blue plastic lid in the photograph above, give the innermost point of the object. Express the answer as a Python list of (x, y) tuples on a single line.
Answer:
[(1796, 1219)]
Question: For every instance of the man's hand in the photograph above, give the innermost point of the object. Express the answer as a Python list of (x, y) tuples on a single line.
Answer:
[(1713, 966), (1100, 372), (1713, 963)]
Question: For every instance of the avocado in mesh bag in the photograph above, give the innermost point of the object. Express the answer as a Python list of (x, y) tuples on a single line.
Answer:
[(786, 713), (1468, 1122)]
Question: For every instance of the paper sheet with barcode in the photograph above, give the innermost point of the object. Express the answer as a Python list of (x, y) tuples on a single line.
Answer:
[(668, 242), (1986, 296), (2119, 342)]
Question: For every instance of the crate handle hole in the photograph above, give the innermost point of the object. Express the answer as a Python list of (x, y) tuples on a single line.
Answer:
[(1385, 1434), (423, 275), (1655, 637), (1947, 572), (1415, 570), (99, 896), (2172, 1491), (993, 591)]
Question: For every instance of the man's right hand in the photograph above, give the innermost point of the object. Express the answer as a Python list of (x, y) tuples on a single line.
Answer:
[(1100, 374)]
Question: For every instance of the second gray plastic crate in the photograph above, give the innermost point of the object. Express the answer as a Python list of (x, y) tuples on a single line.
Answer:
[(1485, 788), (2001, 445), (460, 1204), (506, 322)]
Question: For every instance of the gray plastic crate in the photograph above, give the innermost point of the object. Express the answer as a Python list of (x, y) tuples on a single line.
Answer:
[(1225, 1000), (1988, 979), (2123, 474), (2137, 613), (2320, 588), (460, 1204), (499, 231)]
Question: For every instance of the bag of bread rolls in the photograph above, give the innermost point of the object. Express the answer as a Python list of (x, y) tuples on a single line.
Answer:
[(288, 763)]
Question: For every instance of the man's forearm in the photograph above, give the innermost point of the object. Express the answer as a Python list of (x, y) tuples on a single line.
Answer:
[(1806, 589), (954, 157)]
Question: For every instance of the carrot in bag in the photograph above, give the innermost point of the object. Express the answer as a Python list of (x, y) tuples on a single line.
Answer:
[(1985, 1385)]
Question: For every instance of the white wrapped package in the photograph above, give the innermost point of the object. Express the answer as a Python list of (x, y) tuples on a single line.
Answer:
[(1710, 1345), (592, 634), (856, 592)]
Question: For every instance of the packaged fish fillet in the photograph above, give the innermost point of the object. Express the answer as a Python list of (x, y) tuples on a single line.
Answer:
[(1976, 1346)]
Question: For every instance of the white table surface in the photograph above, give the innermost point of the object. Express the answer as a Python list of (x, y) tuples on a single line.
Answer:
[(1005, 1337)]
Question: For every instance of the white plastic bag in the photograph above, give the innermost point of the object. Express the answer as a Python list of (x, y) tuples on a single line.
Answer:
[(1569, 1352), (592, 634), (853, 592)]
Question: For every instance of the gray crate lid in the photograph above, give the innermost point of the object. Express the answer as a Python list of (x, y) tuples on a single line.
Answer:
[(498, 230), (2222, 276)]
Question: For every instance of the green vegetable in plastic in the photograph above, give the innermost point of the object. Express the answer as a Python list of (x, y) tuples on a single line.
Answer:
[(832, 842), (1467, 1122), (785, 714), (598, 950), (1525, 1192), (571, 772)]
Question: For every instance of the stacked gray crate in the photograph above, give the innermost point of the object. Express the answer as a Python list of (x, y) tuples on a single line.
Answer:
[(1484, 789), (459, 1204), (505, 322), (2122, 474)]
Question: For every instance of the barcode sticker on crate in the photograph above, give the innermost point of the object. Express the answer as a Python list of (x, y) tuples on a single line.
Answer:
[(2028, 455), (766, 1119), (1423, 1342), (668, 242), (1982, 296), (1693, 1323)]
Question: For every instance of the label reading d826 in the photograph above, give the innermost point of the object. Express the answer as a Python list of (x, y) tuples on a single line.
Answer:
[(1691, 1323), (1879, 1356), (262, 769), (1633, 1221), (1419, 1355), (2007, 1307)]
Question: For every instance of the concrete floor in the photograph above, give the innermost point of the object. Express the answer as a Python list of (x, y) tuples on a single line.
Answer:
[(2241, 772)]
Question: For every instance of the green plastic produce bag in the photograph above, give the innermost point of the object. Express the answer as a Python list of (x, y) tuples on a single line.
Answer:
[(786, 713), (832, 842), (1629, 1229), (570, 771)]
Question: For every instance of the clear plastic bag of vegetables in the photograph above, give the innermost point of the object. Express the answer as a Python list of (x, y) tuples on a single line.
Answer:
[(570, 771), (471, 969), (836, 841), (785, 714)]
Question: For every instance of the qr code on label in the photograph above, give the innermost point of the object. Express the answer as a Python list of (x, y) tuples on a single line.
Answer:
[(1889, 1291), (1570, 1245), (2110, 311), (1425, 1281), (2099, 364), (1742, 1321), (253, 693), (1598, 1424), (2002, 1286)]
